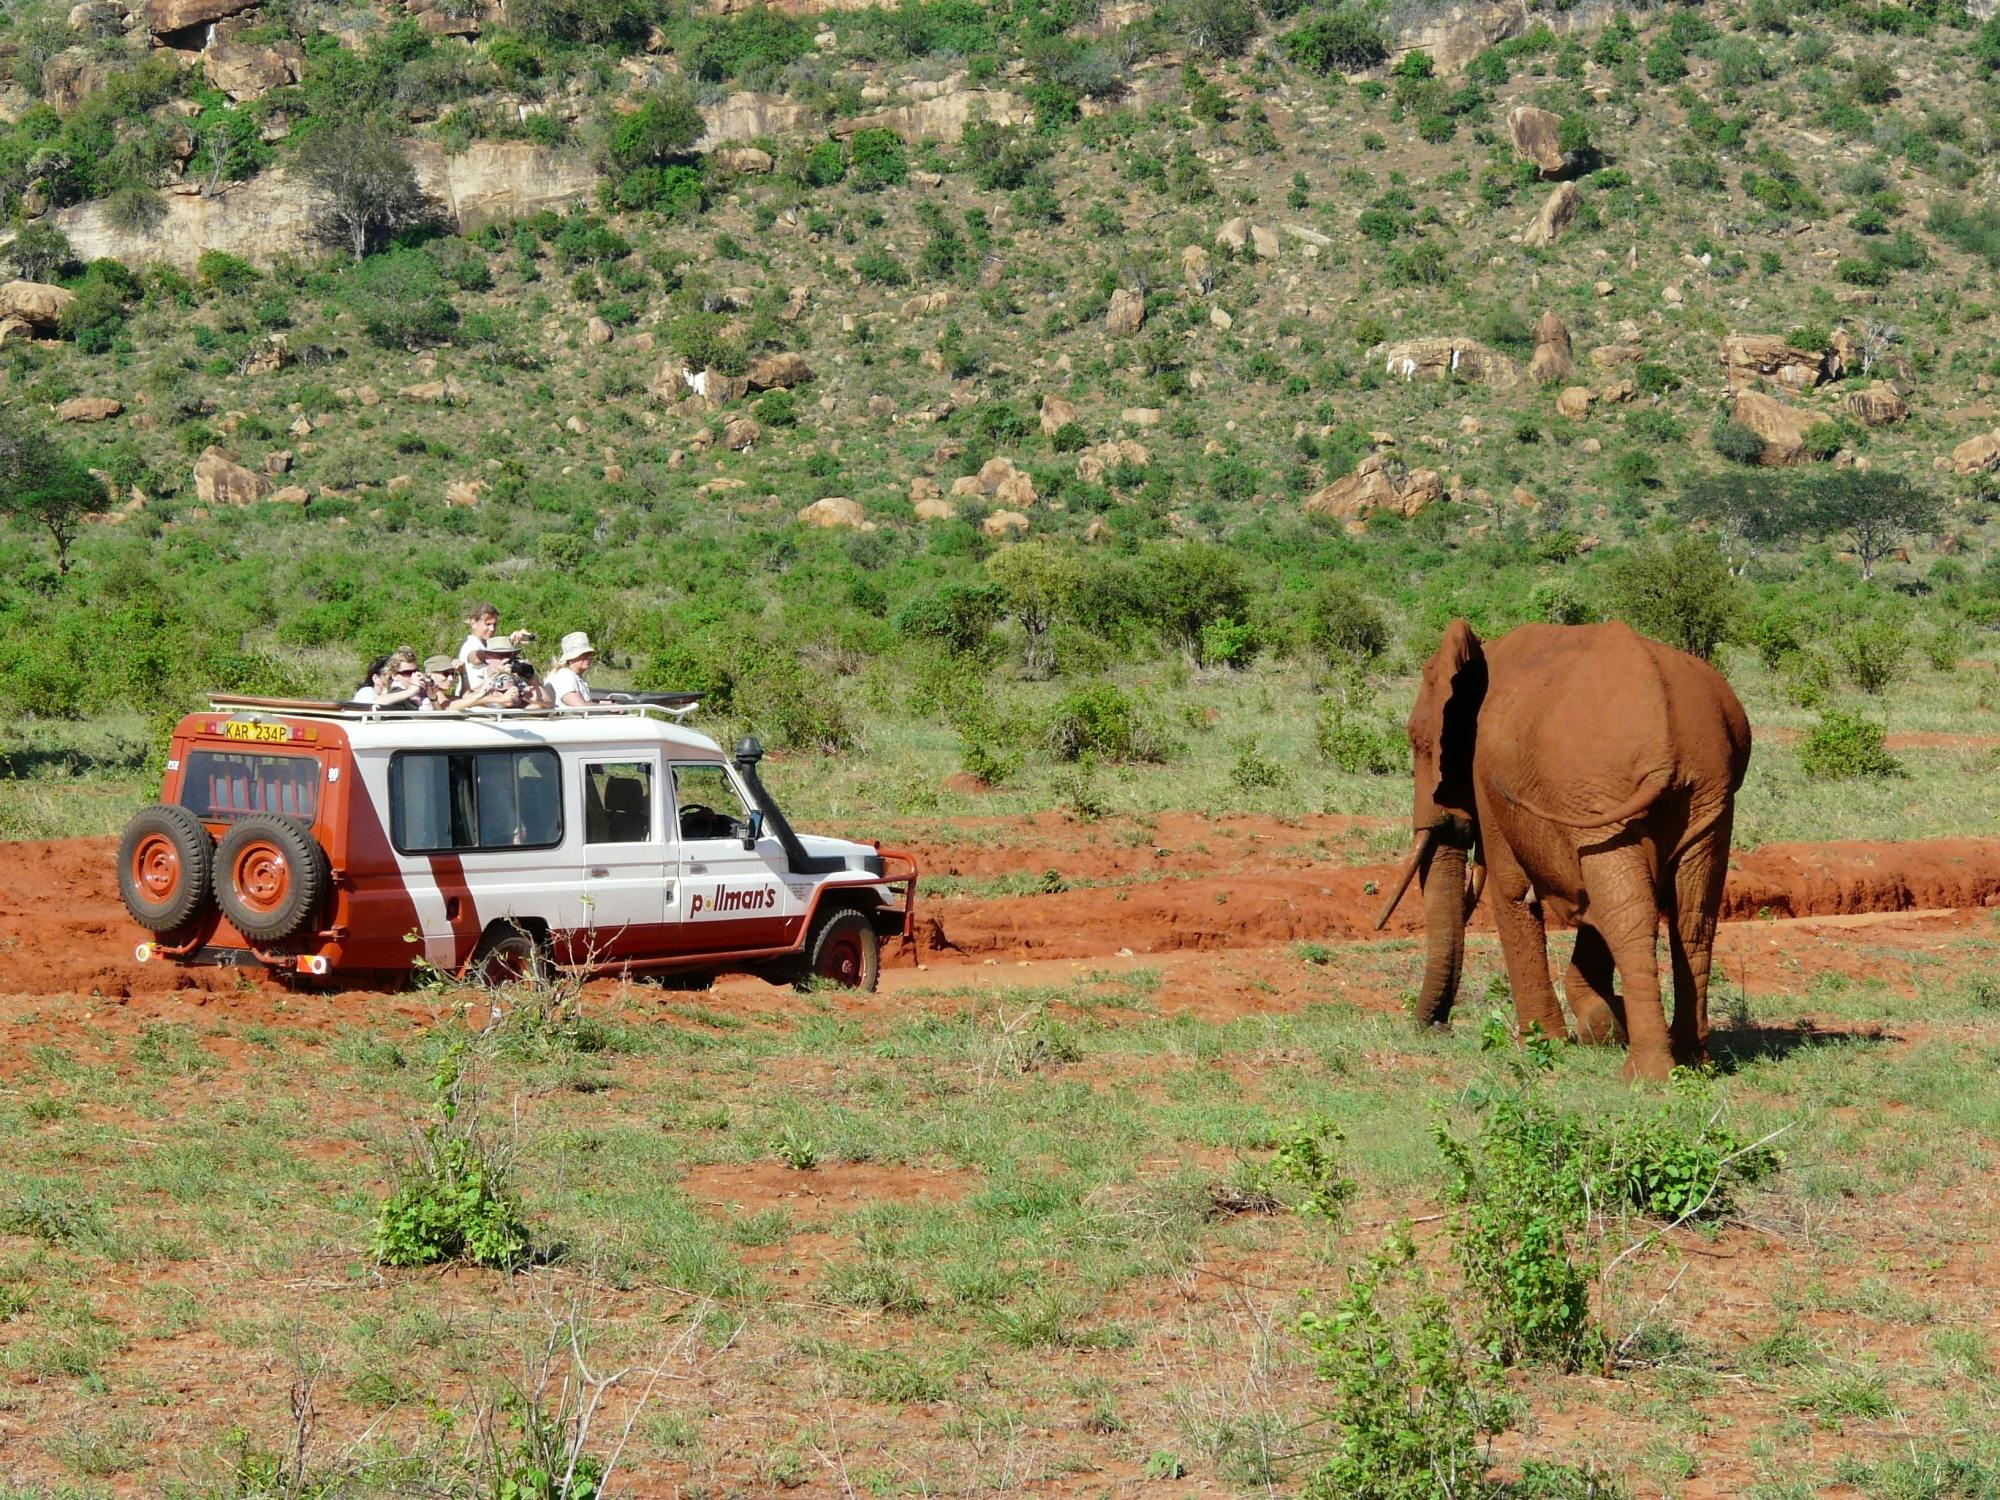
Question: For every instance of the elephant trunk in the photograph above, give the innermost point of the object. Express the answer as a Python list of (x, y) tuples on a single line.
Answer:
[(1445, 913)]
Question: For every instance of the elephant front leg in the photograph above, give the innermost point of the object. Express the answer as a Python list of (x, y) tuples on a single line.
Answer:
[(1600, 1018), (1525, 944)]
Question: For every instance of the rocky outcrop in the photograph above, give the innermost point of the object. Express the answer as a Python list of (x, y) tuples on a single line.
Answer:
[(1574, 402), (1197, 270), (220, 479), (494, 181), (745, 117), (1977, 455), (35, 303), (1378, 483), (1127, 313), (936, 508), (445, 392), (442, 19), (1452, 38), (1057, 413), (1782, 428), (1878, 406), (72, 76), (1537, 137), (1557, 215), (744, 159), (771, 372), (1748, 356), (999, 478), (943, 115), (248, 72), (1239, 234), (1554, 357), (163, 17), (88, 409), (1447, 359), (836, 510), (1094, 463), (741, 434), (1005, 523)]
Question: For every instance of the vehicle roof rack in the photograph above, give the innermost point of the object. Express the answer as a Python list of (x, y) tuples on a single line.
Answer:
[(669, 707)]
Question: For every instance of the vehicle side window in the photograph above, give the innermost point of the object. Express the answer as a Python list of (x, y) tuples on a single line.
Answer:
[(707, 804), (444, 801), (618, 803), (221, 785)]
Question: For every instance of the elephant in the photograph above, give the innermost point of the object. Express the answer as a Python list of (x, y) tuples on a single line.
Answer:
[(1595, 772)]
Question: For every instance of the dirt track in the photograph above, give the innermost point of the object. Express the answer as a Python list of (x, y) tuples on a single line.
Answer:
[(1173, 885)]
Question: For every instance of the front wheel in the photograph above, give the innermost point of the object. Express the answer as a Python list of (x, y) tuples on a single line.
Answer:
[(844, 951)]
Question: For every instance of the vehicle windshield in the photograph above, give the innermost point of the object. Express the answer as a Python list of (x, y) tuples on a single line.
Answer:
[(219, 786)]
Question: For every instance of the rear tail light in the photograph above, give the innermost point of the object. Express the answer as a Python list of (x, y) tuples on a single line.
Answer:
[(313, 963), (143, 953)]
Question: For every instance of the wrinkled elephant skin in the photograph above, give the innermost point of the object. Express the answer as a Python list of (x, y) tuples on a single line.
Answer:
[(1596, 773)]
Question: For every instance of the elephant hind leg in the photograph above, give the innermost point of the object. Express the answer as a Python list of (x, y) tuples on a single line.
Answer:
[(1600, 1017), (1697, 900)]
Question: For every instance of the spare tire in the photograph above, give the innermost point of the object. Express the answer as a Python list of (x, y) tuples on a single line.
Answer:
[(166, 867), (270, 876)]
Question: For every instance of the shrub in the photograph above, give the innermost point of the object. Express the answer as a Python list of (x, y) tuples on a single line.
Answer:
[(1844, 746), (452, 1200), (1344, 625), (1186, 585), (1875, 653), (1561, 601), (825, 165), (1309, 1160), (1357, 743), (1680, 592), (1102, 722), (1344, 40), (1212, 28), (879, 267), (666, 125), (1252, 770), (876, 159)]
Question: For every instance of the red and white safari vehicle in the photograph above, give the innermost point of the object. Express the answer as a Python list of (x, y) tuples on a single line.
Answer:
[(322, 839)]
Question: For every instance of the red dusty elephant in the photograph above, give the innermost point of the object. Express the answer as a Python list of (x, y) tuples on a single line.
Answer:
[(1596, 771)]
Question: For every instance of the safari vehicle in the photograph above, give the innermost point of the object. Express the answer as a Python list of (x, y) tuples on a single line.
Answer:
[(329, 839)]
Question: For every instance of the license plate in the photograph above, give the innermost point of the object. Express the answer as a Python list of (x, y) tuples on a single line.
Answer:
[(263, 734)]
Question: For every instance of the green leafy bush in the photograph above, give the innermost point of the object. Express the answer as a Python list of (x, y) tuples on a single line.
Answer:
[(452, 1200), (1252, 770), (1875, 652), (1309, 1162), (1844, 746), (1103, 722), (666, 125), (1679, 592), (876, 159), (1359, 743), (1344, 40)]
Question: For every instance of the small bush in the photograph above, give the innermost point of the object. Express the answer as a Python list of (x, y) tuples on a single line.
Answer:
[(876, 159), (452, 1200), (1345, 40), (1875, 654), (1358, 743), (1309, 1162), (1679, 592), (1102, 723), (1254, 771), (1844, 746)]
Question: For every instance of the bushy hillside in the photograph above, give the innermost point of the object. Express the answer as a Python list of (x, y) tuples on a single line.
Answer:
[(1260, 333)]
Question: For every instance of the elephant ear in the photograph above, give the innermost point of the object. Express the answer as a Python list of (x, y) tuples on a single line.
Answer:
[(1444, 725)]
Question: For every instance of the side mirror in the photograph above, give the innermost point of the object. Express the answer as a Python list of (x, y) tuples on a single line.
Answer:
[(754, 830)]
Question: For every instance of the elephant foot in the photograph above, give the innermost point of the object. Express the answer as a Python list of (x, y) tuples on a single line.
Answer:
[(1653, 1065), (1597, 1025), (1691, 1054)]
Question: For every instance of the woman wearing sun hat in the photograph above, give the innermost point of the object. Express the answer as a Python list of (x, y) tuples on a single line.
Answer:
[(574, 659)]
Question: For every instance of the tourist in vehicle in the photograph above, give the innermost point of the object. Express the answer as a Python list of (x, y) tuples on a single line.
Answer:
[(441, 681), (534, 692), (394, 681), (568, 684), (374, 677), (483, 621)]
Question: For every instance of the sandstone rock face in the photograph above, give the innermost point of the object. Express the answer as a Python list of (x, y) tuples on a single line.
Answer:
[(219, 479), (936, 508), (1552, 360), (88, 409), (1748, 356), (177, 15), (943, 116), (1376, 484), (1977, 455), (1127, 313), (72, 76), (1142, 417), (1005, 523), (744, 116), (925, 302), (495, 181), (1556, 216), (1537, 135), (836, 510), (1094, 463), (746, 159), (1783, 428), (35, 303), (1197, 270), (1058, 412), (248, 72), (1447, 359), (770, 372), (741, 435), (1878, 406), (1452, 38), (597, 331), (445, 392)]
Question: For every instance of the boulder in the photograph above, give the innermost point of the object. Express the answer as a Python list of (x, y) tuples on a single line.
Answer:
[(72, 76), (88, 409), (1217, 318), (1556, 216), (742, 159), (1005, 523), (1017, 493), (1447, 359), (163, 16), (249, 72), (1783, 428), (219, 479), (741, 434), (1142, 417), (1977, 455), (770, 372), (597, 331), (272, 356), (13, 330), (1239, 234), (97, 18), (1620, 391), (1197, 270), (925, 302), (936, 508), (464, 494), (445, 392), (1377, 483), (1878, 406), (1748, 356), (994, 473), (1127, 313), (1094, 463), (836, 510), (35, 303), (278, 461), (291, 494), (1058, 412), (882, 408), (1611, 356), (440, 19), (1537, 137), (1552, 360)]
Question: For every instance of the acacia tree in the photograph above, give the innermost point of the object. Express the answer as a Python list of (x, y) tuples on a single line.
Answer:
[(1877, 510), (42, 482), (1038, 584), (369, 187), (1752, 510)]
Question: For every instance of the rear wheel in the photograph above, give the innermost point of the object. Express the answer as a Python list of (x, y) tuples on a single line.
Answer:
[(509, 955), (271, 877), (166, 867), (845, 951)]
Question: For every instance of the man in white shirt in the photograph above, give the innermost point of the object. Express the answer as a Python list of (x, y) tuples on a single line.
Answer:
[(483, 621), (573, 663)]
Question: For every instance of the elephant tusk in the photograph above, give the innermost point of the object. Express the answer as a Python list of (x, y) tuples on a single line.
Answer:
[(1409, 873), (1476, 889)]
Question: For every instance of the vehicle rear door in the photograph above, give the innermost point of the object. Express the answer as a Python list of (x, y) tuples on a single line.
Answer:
[(629, 873), (733, 899)]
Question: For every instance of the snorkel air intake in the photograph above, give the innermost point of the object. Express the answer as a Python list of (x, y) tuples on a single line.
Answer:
[(748, 753)]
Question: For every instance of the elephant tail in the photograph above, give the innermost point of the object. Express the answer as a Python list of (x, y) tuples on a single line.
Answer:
[(1624, 812)]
